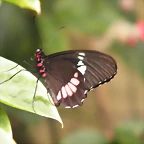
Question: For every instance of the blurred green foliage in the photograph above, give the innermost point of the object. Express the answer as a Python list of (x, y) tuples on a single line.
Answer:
[(130, 133), (85, 16), (85, 137), (132, 57)]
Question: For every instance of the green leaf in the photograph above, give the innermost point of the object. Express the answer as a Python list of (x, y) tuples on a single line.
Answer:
[(30, 4), (5, 128), (18, 92), (4, 122)]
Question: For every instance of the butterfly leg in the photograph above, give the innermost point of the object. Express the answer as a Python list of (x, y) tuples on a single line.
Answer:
[(35, 94)]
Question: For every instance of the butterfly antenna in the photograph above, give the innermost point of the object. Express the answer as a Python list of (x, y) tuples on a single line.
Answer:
[(51, 39), (31, 67), (27, 63), (41, 44)]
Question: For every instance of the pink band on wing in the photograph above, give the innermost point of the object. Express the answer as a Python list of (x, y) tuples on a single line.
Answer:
[(64, 93), (72, 87), (76, 75), (75, 81), (39, 64), (44, 75), (69, 92), (59, 96), (69, 89)]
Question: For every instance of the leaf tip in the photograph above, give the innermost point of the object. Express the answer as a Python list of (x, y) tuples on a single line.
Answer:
[(38, 7)]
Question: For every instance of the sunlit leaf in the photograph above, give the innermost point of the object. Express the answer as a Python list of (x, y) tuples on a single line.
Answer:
[(4, 122), (30, 4), (5, 139), (18, 92)]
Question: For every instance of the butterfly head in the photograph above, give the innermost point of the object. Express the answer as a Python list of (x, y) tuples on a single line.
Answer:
[(39, 53), (39, 50)]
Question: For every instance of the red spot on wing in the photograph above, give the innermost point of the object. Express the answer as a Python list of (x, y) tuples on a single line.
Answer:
[(39, 64), (44, 75), (41, 71), (38, 58), (38, 53)]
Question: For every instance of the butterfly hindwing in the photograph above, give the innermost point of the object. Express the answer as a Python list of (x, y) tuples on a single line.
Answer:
[(65, 83)]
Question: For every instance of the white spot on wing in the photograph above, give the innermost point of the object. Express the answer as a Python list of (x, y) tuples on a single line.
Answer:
[(82, 54), (91, 89), (100, 82), (85, 91), (67, 107), (80, 57), (75, 106), (72, 107), (84, 79), (82, 67), (80, 63), (82, 100)]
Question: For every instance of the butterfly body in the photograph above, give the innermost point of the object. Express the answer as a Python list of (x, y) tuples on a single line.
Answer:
[(69, 75)]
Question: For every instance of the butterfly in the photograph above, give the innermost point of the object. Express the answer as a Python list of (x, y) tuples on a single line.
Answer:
[(70, 75)]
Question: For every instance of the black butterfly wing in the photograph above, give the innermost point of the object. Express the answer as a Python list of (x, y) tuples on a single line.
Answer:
[(93, 68), (65, 83)]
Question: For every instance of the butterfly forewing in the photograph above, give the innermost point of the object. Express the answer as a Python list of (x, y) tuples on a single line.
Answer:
[(69, 75)]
